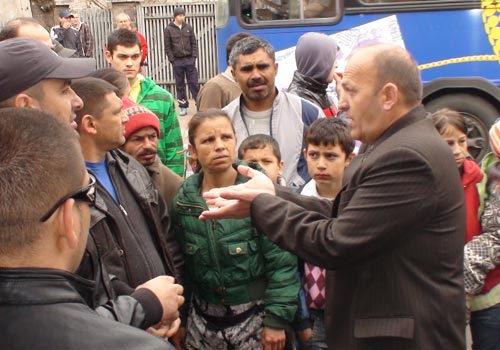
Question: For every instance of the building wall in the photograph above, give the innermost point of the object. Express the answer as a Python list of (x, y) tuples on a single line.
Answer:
[(14, 8)]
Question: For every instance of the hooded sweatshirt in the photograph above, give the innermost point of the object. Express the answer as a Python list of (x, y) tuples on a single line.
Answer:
[(315, 56)]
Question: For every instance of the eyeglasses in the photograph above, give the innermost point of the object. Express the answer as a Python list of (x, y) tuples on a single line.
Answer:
[(86, 194)]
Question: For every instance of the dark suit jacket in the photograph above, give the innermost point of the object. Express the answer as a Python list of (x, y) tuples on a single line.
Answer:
[(392, 242)]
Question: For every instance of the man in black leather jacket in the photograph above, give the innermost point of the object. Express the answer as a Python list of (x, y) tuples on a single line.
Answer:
[(130, 224), (45, 214), (45, 86)]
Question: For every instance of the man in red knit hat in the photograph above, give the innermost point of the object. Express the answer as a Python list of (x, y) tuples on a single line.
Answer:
[(141, 133)]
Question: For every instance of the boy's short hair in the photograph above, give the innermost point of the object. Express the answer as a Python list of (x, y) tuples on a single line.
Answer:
[(330, 131), (123, 37), (259, 141)]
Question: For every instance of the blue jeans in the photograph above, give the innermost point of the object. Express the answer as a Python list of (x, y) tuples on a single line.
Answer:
[(318, 339), (485, 329)]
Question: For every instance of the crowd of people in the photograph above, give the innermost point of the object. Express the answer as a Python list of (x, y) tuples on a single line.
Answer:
[(282, 238)]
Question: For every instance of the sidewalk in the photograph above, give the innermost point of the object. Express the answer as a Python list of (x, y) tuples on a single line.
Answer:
[(184, 120)]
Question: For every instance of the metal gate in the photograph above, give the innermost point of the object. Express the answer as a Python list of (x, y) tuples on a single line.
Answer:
[(100, 22), (152, 19)]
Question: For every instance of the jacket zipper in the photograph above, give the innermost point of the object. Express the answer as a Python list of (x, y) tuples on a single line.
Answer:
[(211, 238)]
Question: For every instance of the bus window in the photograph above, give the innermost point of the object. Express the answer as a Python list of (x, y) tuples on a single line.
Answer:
[(318, 8), (269, 11)]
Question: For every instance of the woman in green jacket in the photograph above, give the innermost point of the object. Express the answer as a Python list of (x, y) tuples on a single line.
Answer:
[(241, 289)]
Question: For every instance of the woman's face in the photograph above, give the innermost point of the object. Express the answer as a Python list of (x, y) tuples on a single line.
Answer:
[(457, 141), (214, 144)]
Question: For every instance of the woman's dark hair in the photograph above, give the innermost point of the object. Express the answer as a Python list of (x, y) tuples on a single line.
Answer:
[(200, 117), (445, 117)]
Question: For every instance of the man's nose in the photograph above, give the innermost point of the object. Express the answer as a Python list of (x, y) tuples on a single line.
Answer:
[(76, 101)]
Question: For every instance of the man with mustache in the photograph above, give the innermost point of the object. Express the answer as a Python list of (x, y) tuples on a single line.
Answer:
[(141, 141), (262, 109)]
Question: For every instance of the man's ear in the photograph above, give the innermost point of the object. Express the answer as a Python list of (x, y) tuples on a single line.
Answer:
[(87, 124), (23, 100), (349, 158), (233, 74), (109, 57), (390, 94), (68, 216), (276, 66), (305, 152)]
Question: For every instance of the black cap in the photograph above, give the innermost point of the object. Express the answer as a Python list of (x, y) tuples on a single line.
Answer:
[(24, 62), (65, 14), (179, 11)]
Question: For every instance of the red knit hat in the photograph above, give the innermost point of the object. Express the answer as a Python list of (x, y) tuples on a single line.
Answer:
[(139, 117)]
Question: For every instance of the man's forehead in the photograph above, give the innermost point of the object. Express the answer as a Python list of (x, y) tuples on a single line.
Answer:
[(145, 131), (127, 51), (255, 58), (56, 83)]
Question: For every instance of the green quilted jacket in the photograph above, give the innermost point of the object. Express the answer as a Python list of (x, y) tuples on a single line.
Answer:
[(161, 103), (228, 262)]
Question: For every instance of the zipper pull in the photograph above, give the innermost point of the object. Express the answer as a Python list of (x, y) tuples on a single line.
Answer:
[(123, 210)]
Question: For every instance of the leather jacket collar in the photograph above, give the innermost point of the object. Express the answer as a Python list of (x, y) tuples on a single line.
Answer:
[(31, 286)]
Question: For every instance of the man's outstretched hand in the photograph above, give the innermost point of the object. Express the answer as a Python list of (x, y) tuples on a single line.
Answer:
[(234, 202)]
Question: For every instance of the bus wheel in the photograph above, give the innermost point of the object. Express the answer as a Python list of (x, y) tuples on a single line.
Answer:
[(479, 114)]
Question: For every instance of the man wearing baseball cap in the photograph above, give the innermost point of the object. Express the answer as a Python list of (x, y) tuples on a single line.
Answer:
[(66, 34), (141, 134), (34, 76)]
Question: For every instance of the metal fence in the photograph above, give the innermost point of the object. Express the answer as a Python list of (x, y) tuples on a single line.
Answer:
[(101, 24), (152, 19)]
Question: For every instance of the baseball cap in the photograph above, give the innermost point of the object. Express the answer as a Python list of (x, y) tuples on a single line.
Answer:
[(24, 62), (65, 14)]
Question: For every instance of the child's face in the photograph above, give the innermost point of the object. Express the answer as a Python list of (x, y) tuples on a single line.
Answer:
[(266, 159), (457, 141), (326, 164)]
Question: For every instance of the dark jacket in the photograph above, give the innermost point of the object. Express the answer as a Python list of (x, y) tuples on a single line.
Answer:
[(69, 38), (314, 91), (229, 262), (106, 231), (179, 42), (86, 39), (44, 308), (394, 238)]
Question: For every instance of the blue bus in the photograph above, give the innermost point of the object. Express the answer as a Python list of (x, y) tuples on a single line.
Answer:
[(455, 42)]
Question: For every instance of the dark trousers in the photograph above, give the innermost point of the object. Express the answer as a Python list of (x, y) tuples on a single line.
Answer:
[(185, 67), (485, 329)]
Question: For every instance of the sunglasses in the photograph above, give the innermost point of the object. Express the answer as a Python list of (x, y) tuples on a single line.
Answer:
[(86, 194)]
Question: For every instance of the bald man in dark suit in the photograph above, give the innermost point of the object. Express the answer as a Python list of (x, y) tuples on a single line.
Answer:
[(393, 238)]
